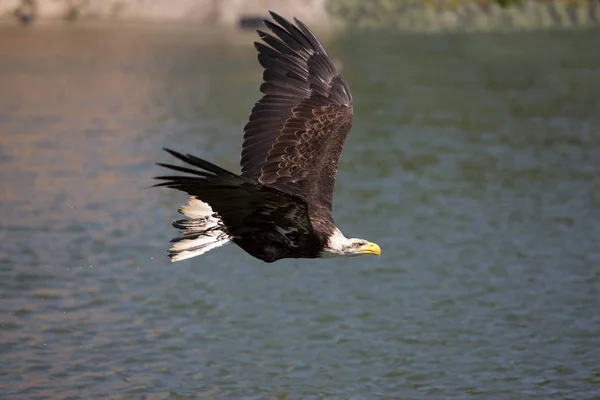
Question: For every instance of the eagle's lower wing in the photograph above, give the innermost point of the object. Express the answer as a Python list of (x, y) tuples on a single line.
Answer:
[(296, 132), (245, 206)]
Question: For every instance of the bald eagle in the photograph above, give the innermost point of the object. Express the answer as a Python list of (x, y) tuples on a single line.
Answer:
[(281, 204)]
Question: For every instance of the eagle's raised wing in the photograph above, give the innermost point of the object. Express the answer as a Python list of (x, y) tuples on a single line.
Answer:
[(296, 132)]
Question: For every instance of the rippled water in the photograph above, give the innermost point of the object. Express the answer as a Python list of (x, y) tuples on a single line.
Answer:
[(474, 162)]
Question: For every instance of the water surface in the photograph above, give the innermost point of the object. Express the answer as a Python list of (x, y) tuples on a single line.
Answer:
[(474, 162)]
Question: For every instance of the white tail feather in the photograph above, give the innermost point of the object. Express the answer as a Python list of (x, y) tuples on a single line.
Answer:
[(203, 232)]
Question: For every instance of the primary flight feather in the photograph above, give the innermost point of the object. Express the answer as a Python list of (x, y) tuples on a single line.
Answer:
[(281, 204)]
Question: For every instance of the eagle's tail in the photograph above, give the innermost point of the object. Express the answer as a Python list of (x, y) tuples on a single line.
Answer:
[(204, 231)]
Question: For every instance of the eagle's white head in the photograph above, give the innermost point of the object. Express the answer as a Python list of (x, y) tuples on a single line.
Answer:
[(340, 246)]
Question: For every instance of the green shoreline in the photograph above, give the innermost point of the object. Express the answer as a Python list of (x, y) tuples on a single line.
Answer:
[(429, 16)]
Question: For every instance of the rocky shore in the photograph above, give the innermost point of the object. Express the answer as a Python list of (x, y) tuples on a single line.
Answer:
[(403, 15), (209, 12)]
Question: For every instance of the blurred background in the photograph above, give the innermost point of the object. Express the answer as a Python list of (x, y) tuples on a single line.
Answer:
[(474, 162)]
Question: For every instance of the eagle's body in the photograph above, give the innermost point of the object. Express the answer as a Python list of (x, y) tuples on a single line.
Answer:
[(280, 206)]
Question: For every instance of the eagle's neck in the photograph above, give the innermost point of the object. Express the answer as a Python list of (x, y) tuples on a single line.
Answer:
[(336, 243)]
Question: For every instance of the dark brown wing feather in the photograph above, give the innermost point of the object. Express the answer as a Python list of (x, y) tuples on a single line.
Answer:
[(296, 132), (246, 207)]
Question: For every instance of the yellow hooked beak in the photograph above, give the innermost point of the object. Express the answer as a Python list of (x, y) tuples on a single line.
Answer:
[(370, 248)]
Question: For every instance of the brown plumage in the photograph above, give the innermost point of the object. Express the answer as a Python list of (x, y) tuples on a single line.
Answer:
[(280, 205), (296, 132)]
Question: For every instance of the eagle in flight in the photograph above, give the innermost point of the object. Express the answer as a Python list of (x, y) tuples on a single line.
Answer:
[(280, 206)]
